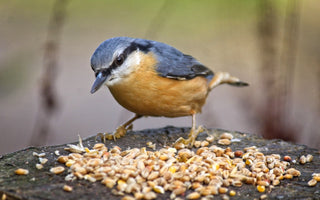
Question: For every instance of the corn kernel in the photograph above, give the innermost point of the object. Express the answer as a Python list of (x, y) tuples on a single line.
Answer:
[(261, 188), (232, 193)]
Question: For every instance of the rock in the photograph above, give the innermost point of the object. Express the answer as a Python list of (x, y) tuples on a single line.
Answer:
[(42, 184)]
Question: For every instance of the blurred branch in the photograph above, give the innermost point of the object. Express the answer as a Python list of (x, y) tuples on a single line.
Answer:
[(277, 77), (49, 100), (288, 61), (267, 26)]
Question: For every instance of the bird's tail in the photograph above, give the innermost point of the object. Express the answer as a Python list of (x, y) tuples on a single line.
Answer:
[(224, 77)]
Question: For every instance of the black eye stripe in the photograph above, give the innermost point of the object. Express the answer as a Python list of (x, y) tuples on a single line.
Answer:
[(119, 60)]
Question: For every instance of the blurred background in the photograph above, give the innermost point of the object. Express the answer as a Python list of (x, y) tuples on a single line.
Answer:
[(45, 74)]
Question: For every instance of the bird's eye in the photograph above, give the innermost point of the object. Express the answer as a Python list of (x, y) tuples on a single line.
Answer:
[(119, 60)]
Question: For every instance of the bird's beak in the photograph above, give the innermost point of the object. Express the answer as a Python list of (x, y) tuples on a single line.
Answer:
[(100, 80)]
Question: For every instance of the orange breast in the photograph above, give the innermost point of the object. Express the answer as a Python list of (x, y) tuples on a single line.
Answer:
[(146, 93)]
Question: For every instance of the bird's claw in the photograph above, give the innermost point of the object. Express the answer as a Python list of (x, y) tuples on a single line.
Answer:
[(191, 138), (120, 132)]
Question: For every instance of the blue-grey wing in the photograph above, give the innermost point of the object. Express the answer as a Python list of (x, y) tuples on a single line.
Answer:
[(172, 63)]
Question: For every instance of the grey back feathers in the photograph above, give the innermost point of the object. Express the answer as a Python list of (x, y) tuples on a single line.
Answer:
[(172, 63)]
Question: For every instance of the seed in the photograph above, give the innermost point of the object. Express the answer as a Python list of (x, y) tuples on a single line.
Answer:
[(153, 175), (164, 157), (205, 191), (287, 158), (249, 162), (210, 138), (316, 176), (225, 197), (223, 190), (172, 169), (179, 146), (158, 189), (309, 158), (224, 142), (263, 183), (303, 160), (89, 178), (197, 144), (57, 170), (237, 183), (312, 182), (62, 159), (39, 166), (109, 182), (264, 196), (138, 195), (150, 195), (69, 163), (238, 153), (179, 190), (67, 188), (193, 195), (21, 171), (43, 160), (127, 197), (232, 193), (226, 136), (38, 154), (293, 172), (276, 182), (151, 145), (261, 188), (288, 176), (204, 143), (98, 146)]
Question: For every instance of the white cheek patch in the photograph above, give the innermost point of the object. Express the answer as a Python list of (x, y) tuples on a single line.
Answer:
[(130, 64)]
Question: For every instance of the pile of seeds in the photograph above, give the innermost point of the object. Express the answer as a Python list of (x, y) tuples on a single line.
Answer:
[(208, 171)]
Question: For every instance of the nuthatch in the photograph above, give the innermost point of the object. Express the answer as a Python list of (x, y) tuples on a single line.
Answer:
[(151, 78)]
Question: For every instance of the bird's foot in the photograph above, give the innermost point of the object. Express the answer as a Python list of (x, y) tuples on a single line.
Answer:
[(191, 139), (120, 132)]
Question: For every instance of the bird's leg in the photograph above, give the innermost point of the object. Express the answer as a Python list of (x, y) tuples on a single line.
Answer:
[(120, 131), (194, 132)]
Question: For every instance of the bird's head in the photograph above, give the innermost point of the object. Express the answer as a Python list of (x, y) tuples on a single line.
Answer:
[(115, 59)]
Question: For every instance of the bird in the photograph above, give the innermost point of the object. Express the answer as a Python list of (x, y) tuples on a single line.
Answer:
[(151, 78)]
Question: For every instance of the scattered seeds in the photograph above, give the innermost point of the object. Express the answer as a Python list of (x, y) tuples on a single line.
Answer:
[(209, 171), (312, 182), (62, 159), (197, 144), (264, 196), (316, 176), (57, 153), (261, 188), (238, 153), (21, 171), (39, 166), (151, 145), (193, 195), (43, 160), (38, 154), (57, 170), (232, 193), (287, 158), (224, 142), (228, 136), (303, 160), (309, 158), (67, 188), (210, 138)]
